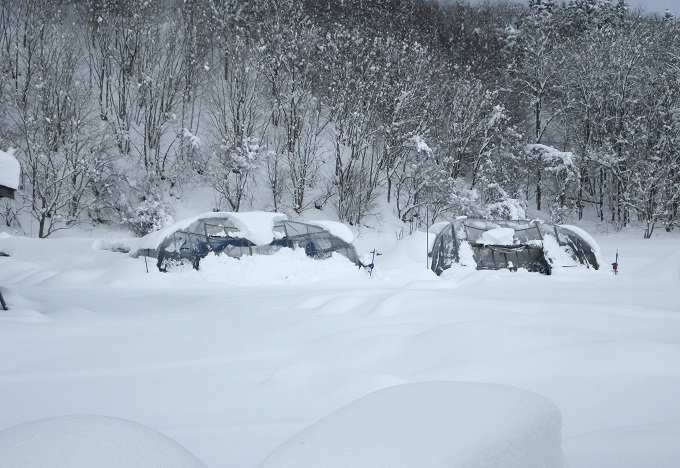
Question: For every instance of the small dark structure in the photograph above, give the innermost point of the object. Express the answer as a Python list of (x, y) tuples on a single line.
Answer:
[(9, 174), (238, 234), (493, 245), (6, 192), (9, 182)]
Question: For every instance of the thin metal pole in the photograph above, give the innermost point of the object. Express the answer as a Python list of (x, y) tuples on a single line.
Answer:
[(427, 236)]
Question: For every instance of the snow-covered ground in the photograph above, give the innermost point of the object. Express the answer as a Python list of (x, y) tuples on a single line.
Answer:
[(245, 361)]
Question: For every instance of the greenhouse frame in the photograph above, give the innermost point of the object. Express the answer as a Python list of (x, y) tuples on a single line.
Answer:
[(239, 234), (536, 246)]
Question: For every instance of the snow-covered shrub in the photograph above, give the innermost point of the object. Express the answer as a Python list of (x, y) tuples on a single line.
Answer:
[(148, 216), (505, 209), (463, 200), (501, 206)]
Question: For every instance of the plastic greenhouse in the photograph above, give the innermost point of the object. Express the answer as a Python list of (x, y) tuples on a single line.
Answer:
[(493, 245), (247, 233)]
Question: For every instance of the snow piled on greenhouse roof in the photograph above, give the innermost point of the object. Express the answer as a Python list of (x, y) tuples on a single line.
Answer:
[(256, 226), (336, 229), (498, 236), (587, 238)]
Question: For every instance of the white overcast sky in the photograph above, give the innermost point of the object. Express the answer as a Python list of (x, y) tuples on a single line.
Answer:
[(658, 5)]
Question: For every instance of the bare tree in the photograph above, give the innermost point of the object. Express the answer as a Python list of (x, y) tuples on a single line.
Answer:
[(62, 152), (237, 124), (298, 120), (351, 98), (535, 74)]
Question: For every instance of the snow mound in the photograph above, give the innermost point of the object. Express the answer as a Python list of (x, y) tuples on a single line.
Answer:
[(414, 246), (432, 424), (407, 259), (287, 266), (90, 441)]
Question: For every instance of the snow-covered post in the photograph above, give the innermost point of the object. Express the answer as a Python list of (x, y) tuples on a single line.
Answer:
[(427, 236)]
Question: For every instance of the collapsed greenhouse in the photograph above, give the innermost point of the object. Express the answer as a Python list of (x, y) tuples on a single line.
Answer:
[(247, 233), (536, 246)]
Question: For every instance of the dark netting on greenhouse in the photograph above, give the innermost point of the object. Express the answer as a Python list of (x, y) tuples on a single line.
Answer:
[(502, 244), (229, 234), (317, 241)]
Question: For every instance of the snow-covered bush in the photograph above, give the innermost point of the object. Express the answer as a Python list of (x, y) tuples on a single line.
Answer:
[(148, 216), (501, 206), (463, 200)]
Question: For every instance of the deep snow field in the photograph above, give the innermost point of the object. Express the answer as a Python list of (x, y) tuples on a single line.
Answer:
[(289, 361)]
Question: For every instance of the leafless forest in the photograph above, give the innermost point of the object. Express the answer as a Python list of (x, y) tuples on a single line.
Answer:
[(117, 108)]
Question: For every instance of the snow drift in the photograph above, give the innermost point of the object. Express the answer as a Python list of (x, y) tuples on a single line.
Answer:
[(432, 424), (90, 441), (235, 359)]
